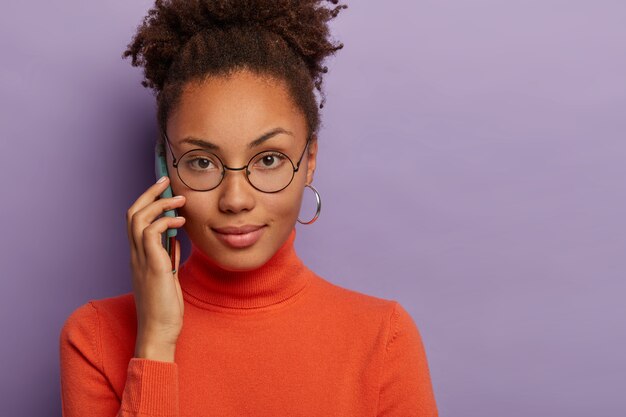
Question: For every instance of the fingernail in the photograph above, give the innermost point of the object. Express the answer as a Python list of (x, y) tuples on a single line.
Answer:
[(161, 179)]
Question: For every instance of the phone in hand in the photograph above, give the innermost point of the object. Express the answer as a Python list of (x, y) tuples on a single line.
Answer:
[(160, 164)]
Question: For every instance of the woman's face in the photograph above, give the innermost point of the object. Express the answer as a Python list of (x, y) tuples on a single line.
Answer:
[(231, 113)]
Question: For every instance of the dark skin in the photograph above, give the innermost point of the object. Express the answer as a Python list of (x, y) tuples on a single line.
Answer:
[(230, 112)]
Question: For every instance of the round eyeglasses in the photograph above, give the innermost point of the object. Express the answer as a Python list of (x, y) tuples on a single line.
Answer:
[(268, 171)]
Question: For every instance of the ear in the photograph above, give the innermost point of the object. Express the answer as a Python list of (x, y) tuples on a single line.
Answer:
[(311, 159)]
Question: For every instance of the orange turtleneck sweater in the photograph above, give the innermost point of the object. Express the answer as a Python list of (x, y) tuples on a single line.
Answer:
[(275, 341)]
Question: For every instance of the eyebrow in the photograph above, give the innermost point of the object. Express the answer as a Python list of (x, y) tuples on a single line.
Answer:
[(203, 143)]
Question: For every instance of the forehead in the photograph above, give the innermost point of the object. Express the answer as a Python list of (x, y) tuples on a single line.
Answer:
[(233, 110)]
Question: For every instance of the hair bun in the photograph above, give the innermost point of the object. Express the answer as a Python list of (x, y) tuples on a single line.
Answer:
[(186, 40), (170, 24)]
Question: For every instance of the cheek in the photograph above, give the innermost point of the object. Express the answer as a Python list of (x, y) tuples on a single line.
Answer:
[(196, 203), (198, 207), (283, 206)]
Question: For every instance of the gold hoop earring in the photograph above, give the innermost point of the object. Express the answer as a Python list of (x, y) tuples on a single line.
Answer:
[(319, 206)]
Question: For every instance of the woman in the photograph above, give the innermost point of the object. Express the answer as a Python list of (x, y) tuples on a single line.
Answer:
[(243, 327)]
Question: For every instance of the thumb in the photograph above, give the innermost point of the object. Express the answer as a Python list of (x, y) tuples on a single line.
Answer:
[(176, 257), (179, 290)]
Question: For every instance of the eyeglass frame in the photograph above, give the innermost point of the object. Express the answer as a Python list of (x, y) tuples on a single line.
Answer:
[(296, 167)]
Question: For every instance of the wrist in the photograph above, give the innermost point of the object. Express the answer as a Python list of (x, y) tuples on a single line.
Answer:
[(164, 352)]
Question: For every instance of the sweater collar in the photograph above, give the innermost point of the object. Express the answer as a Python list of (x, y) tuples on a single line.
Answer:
[(205, 284)]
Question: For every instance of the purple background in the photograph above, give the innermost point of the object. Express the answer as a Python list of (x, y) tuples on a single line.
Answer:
[(471, 167)]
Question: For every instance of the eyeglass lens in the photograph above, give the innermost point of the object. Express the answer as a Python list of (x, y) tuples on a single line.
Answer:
[(267, 171)]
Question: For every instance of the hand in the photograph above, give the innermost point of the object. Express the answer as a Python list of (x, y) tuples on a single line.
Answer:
[(158, 296)]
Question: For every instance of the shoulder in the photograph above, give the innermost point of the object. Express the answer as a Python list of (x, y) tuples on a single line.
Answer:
[(80, 326), (388, 320), (120, 307), (367, 318), (358, 305), (111, 306), (87, 320)]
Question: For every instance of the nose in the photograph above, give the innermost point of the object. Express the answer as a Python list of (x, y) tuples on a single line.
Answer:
[(236, 193)]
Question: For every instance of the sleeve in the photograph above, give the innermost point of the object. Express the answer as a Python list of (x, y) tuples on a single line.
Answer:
[(151, 387), (405, 386)]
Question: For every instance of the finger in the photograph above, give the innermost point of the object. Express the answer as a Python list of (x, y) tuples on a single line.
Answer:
[(177, 263), (151, 242), (177, 259), (147, 197), (176, 281), (144, 217)]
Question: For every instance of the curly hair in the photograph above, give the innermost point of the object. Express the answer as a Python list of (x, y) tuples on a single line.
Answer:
[(190, 40)]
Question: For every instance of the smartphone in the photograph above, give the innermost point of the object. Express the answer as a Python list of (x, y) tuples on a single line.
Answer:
[(160, 164)]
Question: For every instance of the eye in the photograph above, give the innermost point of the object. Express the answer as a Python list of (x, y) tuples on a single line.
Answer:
[(201, 162), (269, 160)]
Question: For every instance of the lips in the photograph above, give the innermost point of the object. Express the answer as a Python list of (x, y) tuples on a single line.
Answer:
[(237, 230), (239, 236)]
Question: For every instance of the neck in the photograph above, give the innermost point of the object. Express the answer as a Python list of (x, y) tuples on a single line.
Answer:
[(207, 284)]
